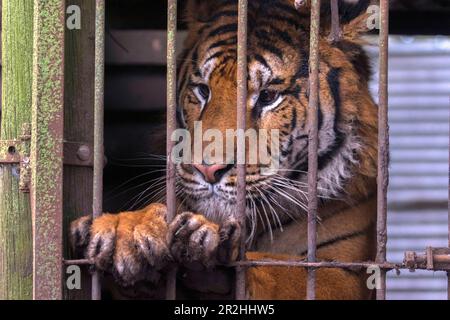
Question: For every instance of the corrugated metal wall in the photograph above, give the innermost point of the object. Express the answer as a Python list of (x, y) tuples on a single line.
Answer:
[(419, 102)]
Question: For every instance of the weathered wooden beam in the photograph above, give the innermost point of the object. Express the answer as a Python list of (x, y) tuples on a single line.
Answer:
[(15, 215), (47, 147), (79, 125)]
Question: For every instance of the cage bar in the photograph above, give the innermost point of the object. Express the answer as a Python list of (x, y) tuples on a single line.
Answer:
[(99, 84), (335, 33), (171, 126), (47, 148), (383, 146), (241, 119), (313, 123)]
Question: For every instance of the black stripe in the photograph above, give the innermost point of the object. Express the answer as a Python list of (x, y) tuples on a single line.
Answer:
[(225, 42), (218, 54), (324, 159), (272, 49), (335, 88), (339, 239), (263, 61), (303, 68), (289, 9), (295, 92), (319, 116), (276, 81), (195, 59), (232, 27), (300, 163), (358, 57), (294, 119), (283, 19), (283, 35), (334, 85), (262, 35)]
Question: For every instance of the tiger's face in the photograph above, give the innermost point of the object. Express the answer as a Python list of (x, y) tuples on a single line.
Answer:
[(278, 48)]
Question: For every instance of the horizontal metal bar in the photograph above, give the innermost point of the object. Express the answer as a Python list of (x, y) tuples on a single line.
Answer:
[(420, 265), (79, 262), (318, 264), (75, 153), (339, 265)]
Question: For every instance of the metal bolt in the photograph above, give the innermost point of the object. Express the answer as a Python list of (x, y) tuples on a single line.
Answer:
[(12, 150), (84, 153)]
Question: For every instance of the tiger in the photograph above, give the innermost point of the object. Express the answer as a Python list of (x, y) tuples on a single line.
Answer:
[(135, 250)]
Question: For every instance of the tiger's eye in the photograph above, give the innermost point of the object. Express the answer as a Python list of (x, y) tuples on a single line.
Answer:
[(267, 97), (203, 89)]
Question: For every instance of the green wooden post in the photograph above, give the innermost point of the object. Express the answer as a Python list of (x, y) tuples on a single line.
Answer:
[(15, 216)]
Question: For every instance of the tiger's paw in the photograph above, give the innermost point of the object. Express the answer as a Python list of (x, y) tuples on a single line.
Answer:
[(130, 245), (194, 240)]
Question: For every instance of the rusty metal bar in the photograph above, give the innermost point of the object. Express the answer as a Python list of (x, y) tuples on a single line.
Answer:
[(79, 262), (383, 145), (241, 119), (171, 126), (97, 205), (439, 258), (321, 264), (47, 148), (335, 33), (433, 259), (442, 261), (313, 144)]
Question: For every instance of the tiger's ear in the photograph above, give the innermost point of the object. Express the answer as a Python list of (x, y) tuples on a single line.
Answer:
[(353, 15), (356, 18)]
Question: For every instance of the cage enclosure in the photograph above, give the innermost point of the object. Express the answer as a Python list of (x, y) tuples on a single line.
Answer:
[(87, 105)]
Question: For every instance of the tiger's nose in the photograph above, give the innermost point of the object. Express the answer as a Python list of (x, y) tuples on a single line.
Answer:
[(212, 173)]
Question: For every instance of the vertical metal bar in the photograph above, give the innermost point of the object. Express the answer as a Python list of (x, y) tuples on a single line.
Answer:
[(313, 144), (47, 147), (383, 145), (241, 123), (97, 204), (448, 220), (171, 126), (335, 34)]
